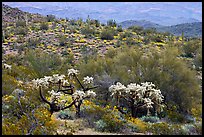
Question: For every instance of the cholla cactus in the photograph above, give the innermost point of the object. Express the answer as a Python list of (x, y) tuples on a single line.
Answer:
[(144, 95), (88, 80), (78, 95), (117, 89), (135, 90), (72, 72), (42, 82), (148, 103), (56, 78), (65, 83), (90, 93), (56, 101)]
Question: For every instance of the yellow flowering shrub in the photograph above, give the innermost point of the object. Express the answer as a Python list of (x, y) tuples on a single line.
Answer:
[(142, 126), (27, 124)]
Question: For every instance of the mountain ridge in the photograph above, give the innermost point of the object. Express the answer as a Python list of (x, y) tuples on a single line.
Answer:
[(162, 13)]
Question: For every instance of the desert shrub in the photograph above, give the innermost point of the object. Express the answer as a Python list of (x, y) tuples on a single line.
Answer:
[(136, 124), (103, 118), (21, 31), (119, 28), (151, 119), (50, 18), (20, 23), (44, 26), (114, 123), (111, 23), (62, 40), (33, 42), (65, 114), (136, 28), (198, 127), (189, 129), (23, 73), (100, 125), (131, 41), (197, 112), (132, 127), (190, 48), (23, 114), (43, 63), (88, 31), (159, 128), (9, 83), (198, 58), (126, 34), (172, 129), (176, 81), (107, 34), (92, 112)]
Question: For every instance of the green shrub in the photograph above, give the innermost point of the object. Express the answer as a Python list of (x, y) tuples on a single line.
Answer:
[(175, 116), (33, 42), (62, 40), (108, 34), (119, 28), (114, 123), (9, 83), (20, 23), (43, 63), (88, 31), (159, 128), (190, 48), (140, 64), (44, 26), (198, 58), (136, 28), (126, 34), (21, 31)]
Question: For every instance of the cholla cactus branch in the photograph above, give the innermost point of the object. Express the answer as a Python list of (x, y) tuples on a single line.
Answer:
[(6, 66)]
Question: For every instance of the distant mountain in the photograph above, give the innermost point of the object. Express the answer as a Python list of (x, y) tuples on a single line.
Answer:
[(143, 23), (163, 13), (189, 29)]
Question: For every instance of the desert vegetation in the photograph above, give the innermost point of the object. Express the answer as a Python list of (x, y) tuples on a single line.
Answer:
[(60, 76)]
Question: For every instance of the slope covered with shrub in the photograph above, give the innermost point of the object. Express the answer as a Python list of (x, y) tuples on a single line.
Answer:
[(48, 67)]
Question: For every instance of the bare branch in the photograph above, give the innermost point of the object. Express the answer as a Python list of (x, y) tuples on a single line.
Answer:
[(79, 82), (43, 98), (68, 105), (86, 89)]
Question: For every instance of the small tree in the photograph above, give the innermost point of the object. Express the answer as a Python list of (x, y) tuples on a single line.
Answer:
[(138, 97), (65, 87)]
